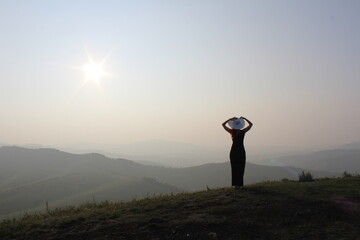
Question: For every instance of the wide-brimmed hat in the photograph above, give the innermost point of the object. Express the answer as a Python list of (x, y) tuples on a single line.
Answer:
[(238, 123)]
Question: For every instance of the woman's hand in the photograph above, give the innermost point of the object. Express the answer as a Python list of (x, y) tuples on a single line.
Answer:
[(233, 118)]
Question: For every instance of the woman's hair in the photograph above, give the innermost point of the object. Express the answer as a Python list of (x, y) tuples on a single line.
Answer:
[(234, 132)]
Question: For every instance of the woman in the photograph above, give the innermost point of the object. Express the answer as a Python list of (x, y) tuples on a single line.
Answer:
[(237, 152)]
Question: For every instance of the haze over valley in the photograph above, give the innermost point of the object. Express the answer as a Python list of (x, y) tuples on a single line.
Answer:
[(30, 178)]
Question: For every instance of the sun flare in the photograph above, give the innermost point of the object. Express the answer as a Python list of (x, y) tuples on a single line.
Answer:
[(93, 72)]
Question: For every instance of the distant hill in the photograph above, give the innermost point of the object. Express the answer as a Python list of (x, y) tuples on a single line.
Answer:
[(31, 177), (324, 209), (336, 160), (354, 145), (167, 153)]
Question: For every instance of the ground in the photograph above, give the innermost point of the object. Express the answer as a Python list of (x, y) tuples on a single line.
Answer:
[(324, 209)]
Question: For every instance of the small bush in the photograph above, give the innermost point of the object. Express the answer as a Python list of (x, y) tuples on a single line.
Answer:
[(347, 174), (306, 177)]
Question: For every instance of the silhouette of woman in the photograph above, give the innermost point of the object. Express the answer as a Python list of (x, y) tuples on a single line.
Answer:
[(237, 152)]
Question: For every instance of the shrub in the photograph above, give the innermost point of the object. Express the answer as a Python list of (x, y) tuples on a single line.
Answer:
[(306, 177), (347, 174)]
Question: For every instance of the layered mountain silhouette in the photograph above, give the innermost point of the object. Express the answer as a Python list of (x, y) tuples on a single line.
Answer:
[(32, 178), (335, 160)]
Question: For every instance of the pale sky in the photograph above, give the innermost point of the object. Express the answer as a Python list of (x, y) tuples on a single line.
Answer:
[(179, 68)]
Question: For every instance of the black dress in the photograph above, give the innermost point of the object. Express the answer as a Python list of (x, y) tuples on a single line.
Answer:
[(237, 158)]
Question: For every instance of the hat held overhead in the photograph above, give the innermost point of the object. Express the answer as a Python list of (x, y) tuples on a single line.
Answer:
[(237, 123)]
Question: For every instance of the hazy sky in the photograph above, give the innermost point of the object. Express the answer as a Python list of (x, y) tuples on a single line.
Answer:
[(179, 69)]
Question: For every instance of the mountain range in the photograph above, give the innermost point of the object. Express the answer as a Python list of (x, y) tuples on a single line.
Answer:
[(334, 160), (174, 154), (30, 179)]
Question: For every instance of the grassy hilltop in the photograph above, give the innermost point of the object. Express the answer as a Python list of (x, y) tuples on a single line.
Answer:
[(324, 209)]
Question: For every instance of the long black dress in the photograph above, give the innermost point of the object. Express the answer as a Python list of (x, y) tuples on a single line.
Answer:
[(237, 157)]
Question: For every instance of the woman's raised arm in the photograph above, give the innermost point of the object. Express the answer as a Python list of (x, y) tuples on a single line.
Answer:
[(224, 124), (249, 126)]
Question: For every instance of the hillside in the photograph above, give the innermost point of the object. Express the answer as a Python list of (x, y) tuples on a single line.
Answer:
[(31, 177), (324, 209), (335, 160)]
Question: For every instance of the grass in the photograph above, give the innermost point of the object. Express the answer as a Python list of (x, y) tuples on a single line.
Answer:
[(324, 209)]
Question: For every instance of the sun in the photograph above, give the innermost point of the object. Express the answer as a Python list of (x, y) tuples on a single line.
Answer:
[(93, 71)]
